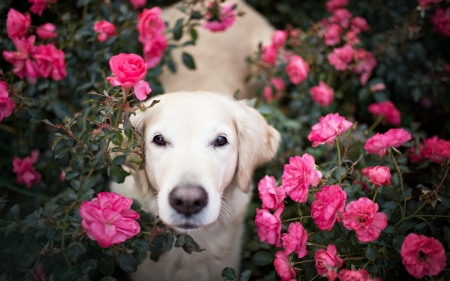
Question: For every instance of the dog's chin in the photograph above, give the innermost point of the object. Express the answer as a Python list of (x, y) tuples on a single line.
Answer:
[(187, 227)]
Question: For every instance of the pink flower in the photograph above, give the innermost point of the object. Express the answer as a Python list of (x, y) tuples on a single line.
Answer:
[(424, 150), (105, 29), (108, 219), (322, 94), (137, 4), (26, 174), (441, 21), (270, 195), (278, 38), (447, 67), (6, 104), (361, 215), (46, 31), (380, 142), (340, 57), (269, 54), (440, 152), (17, 24), (352, 38), (388, 110), (283, 267), (298, 175), (364, 61), (128, 70), (269, 225), (24, 66), (422, 255), (328, 206), (297, 69), (279, 86), (425, 3), (150, 24), (333, 34), (378, 87), (219, 18), (141, 90), (327, 259), (353, 275), (342, 17), (380, 175), (359, 24), (331, 275), (154, 50), (39, 6), (328, 128), (295, 240), (333, 5), (51, 61), (39, 275)]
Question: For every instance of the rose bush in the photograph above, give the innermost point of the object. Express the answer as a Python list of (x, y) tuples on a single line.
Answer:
[(364, 79)]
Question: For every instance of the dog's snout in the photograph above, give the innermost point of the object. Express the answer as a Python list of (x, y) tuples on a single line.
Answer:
[(188, 199)]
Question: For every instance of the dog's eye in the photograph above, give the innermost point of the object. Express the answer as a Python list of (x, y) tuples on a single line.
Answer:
[(220, 141), (159, 140)]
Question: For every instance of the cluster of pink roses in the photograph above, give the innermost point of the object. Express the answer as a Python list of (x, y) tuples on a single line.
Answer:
[(26, 174), (219, 18), (105, 29), (441, 21), (386, 109), (435, 149), (6, 103), (31, 61)]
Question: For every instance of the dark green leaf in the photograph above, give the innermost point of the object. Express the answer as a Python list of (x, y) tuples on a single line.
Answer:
[(262, 258), (229, 274), (108, 278), (127, 262), (245, 275), (119, 160), (116, 173), (390, 205), (71, 174), (61, 152), (88, 265), (188, 60), (271, 276), (106, 266), (397, 242), (371, 253), (389, 229), (75, 184), (191, 246), (14, 211), (194, 34), (178, 29)]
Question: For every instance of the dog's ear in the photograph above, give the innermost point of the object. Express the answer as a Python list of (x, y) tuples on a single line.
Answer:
[(257, 143)]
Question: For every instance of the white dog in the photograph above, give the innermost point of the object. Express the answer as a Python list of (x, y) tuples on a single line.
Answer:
[(201, 150)]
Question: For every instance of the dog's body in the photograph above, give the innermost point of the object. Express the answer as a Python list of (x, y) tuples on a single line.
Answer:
[(201, 150)]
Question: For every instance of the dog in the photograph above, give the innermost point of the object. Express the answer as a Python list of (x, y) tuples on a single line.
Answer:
[(202, 147)]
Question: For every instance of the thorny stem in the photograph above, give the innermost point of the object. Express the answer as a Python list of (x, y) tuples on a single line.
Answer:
[(339, 159), (376, 191), (401, 183), (294, 219), (445, 175), (411, 216)]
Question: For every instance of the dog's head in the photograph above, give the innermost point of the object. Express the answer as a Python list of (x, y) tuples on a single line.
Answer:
[(196, 145)]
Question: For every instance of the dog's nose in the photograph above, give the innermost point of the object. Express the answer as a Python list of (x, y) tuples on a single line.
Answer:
[(188, 199)]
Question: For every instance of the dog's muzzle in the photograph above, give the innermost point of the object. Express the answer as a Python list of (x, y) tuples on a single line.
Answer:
[(188, 199)]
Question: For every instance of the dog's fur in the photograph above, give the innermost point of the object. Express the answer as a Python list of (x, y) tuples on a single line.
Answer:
[(190, 121)]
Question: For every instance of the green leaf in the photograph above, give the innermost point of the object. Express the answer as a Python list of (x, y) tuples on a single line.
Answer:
[(106, 266), (119, 160), (229, 274), (245, 275), (191, 246), (193, 33), (75, 184), (390, 205), (88, 265), (271, 276), (14, 211), (70, 175), (108, 278), (178, 29), (397, 243), (116, 173), (389, 229), (262, 258), (59, 153), (127, 262), (371, 253), (188, 60)]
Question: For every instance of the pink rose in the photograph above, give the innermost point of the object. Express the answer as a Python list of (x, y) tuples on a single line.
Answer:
[(425, 3), (51, 61), (297, 69), (361, 215), (128, 70), (39, 6), (141, 90), (422, 255), (6, 104), (24, 66), (105, 29), (380, 142), (17, 24), (364, 77), (154, 50), (150, 24), (269, 54), (283, 267), (295, 240), (26, 174), (322, 94), (333, 5), (352, 38), (353, 275), (137, 4), (359, 24), (328, 128), (108, 219), (225, 14), (298, 175), (364, 61), (269, 225), (279, 86), (441, 21), (328, 206), (331, 275), (425, 149), (278, 38), (380, 175), (46, 31), (270, 195), (342, 17), (388, 110), (333, 34), (440, 152), (327, 259), (378, 87), (340, 57)]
